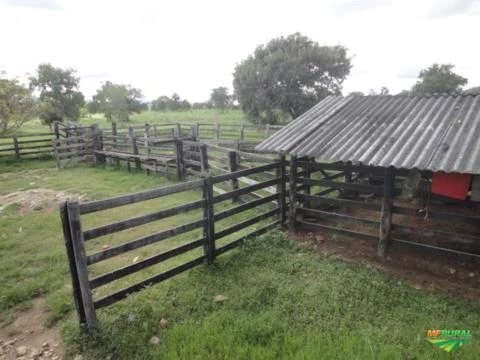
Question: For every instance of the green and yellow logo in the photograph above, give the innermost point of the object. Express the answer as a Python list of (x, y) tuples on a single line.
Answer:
[(449, 340)]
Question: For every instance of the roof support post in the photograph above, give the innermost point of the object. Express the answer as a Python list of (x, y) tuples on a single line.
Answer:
[(293, 194), (386, 215)]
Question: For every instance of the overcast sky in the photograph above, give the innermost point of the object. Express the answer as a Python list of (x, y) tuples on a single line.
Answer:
[(190, 47)]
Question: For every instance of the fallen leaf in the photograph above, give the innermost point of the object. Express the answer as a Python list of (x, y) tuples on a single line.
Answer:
[(219, 298)]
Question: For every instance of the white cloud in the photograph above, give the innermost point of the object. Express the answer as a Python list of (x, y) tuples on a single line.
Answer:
[(190, 47), (40, 4)]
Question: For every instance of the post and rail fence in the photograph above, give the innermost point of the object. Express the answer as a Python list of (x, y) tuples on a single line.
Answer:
[(270, 211)]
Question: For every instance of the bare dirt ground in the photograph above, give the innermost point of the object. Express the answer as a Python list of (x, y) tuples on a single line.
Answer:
[(37, 199), (423, 272), (27, 338)]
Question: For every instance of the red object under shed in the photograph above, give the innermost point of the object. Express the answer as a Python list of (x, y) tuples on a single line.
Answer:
[(451, 185)]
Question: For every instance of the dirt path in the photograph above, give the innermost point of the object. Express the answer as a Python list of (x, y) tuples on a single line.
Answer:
[(27, 338), (422, 272)]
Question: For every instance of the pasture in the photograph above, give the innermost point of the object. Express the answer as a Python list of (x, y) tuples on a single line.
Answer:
[(208, 116), (280, 299)]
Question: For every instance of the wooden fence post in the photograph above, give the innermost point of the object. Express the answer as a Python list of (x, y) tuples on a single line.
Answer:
[(138, 164), (217, 131), (195, 132), (242, 132), (16, 148), (386, 215), (348, 172), (293, 193), (76, 233), (233, 166), (179, 131), (204, 159), (56, 153), (55, 129), (281, 190), (208, 216), (67, 237), (179, 158)]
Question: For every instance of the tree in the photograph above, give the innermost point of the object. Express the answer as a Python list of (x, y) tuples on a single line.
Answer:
[(220, 99), (118, 101), (60, 99), (164, 103), (287, 76), (161, 103), (474, 90), (16, 105), (438, 79)]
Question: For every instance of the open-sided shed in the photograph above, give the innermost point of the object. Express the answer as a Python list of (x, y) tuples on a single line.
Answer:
[(411, 164)]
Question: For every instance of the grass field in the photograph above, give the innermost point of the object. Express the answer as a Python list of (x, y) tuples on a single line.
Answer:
[(283, 300), (155, 117)]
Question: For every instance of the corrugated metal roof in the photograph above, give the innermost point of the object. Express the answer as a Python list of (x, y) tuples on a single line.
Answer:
[(437, 133)]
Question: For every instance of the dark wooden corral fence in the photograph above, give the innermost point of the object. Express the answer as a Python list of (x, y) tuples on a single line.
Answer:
[(212, 240), (318, 206), (26, 146)]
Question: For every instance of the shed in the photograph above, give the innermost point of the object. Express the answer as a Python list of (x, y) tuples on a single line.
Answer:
[(339, 140)]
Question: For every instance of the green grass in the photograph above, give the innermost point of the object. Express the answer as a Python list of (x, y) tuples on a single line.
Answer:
[(208, 116), (283, 299)]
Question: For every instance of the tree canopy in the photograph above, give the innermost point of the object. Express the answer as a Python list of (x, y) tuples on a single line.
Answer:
[(16, 105), (220, 99), (287, 76), (173, 103), (438, 78), (473, 90), (60, 99), (117, 101)]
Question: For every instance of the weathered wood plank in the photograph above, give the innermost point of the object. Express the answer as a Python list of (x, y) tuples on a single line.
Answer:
[(81, 263), (237, 174), (356, 234), (209, 225), (113, 298), (140, 220), (244, 224), (233, 244), (144, 241), (67, 238), (339, 202), (249, 205), (344, 217), (386, 212), (378, 190), (140, 196), (152, 260), (245, 190)]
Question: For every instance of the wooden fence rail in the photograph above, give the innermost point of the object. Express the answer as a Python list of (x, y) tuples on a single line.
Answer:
[(76, 237), (377, 221), (26, 146)]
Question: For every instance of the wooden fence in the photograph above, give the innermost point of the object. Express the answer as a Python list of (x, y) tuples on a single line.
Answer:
[(214, 241), (242, 134), (26, 146), (333, 193)]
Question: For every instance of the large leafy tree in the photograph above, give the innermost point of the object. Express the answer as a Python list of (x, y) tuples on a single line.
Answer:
[(173, 103), (287, 76), (117, 101), (16, 105), (60, 99), (220, 99), (439, 78)]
